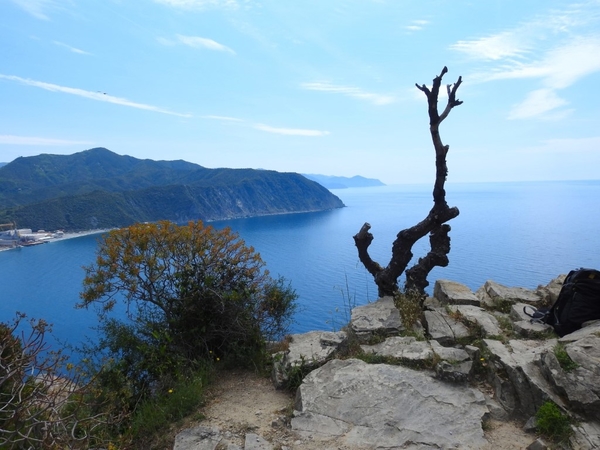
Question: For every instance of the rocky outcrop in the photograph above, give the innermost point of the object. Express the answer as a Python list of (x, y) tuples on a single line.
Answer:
[(305, 352), (418, 392), (380, 318), (385, 406)]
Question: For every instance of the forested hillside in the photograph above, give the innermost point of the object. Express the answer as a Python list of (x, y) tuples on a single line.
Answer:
[(99, 189)]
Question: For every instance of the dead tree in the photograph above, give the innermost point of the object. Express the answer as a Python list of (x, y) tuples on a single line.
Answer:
[(434, 224)]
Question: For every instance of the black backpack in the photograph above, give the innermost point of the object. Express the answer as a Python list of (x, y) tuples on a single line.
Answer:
[(577, 302)]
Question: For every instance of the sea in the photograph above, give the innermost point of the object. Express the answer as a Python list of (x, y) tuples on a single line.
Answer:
[(517, 234)]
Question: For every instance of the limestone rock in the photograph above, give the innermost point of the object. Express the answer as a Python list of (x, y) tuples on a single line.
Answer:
[(519, 384), (550, 292), (443, 328), (581, 386), (256, 442), (198, 438), (515, 294), (450, 354), (530, 330), (587, 329), (383, 406), (586, 436), (308, 349), (451, 292), (575, 386), (484, 297), (487, 321), (455, 373), (379, 317), (405, 348)]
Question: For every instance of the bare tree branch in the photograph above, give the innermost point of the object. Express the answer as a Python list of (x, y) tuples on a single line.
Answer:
[(434, 224)]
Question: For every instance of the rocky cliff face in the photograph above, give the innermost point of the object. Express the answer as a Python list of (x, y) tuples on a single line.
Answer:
[(474, 357)]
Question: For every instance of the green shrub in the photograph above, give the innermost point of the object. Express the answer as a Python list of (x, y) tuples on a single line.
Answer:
[(552, 423), (195, 297), (565, 361)]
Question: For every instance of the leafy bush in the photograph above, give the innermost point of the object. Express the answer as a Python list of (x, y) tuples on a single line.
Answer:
[(552, 423), (193, 294)]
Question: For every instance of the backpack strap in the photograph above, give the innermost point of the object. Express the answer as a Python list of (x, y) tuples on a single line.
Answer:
[(537, 315)]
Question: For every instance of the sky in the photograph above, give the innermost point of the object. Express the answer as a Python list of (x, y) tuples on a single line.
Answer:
[(309, 86)]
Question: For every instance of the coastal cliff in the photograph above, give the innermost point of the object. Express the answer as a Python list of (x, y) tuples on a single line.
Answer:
[(100, 189)]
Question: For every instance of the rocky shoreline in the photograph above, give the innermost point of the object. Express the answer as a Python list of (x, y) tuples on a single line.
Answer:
[(473, 360)]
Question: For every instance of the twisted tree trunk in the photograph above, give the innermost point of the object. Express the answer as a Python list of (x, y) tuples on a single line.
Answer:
[(435, 222)]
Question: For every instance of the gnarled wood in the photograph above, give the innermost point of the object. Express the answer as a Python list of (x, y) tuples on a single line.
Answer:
[(434, 224)]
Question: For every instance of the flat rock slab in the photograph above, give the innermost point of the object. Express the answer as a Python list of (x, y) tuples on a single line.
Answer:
[(498, 291), (443, 328), (380, 317), (380, 406), (588, 329), (313, 346), (451, 292), (488, 322), (406, 348)]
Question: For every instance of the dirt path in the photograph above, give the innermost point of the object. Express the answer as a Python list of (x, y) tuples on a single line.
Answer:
[(243, 402)]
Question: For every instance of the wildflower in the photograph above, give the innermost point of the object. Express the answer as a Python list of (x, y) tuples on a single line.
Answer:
[(170, 391), (481, 359), (218, 359)]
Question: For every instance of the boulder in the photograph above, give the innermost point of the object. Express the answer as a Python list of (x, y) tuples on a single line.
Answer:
[(519, 385), (384, 406), (378, 318), (550, 292), (309, 350), (451, 292), (580, 386), (443, 328)]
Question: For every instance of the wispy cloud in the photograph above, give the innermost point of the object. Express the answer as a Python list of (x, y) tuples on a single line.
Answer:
[(224, 118), (537, 103), (350, 91), (290, 131), (500, 46), (198, 4), (200, 42), (416, 25), (558, 49), (98, 96), (8, 139), (73, 49), (35, 7)]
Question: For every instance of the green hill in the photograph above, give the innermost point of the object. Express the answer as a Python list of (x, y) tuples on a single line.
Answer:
[(99, 189)]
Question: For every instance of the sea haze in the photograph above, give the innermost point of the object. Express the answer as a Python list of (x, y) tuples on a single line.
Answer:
[(518, 234)]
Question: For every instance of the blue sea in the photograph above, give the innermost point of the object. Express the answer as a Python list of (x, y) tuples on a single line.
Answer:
[(518, 234)]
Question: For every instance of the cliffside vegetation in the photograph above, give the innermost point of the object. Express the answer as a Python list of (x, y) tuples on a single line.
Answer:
[(100, 189), (195, 297)]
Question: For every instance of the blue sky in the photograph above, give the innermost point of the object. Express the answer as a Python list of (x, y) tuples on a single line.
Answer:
[(309, 86)]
